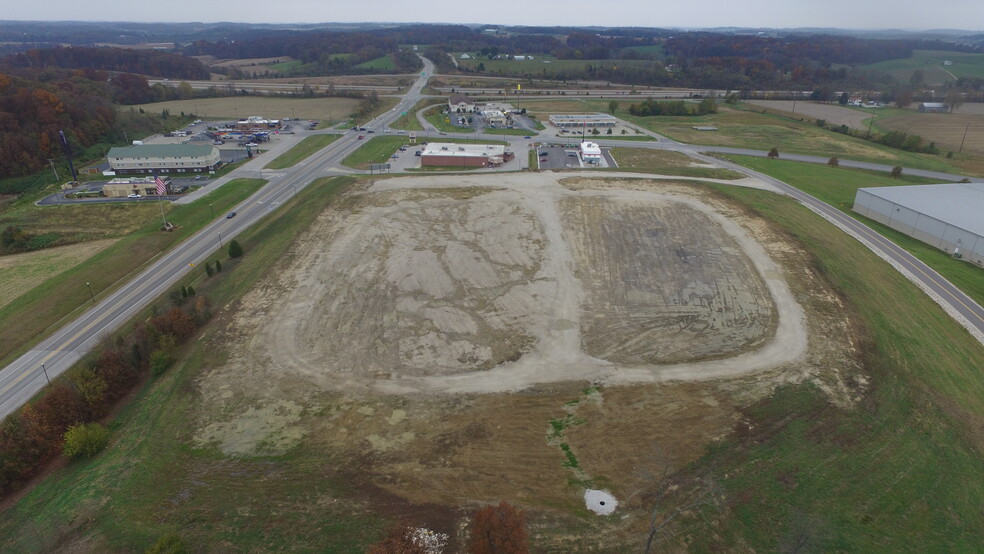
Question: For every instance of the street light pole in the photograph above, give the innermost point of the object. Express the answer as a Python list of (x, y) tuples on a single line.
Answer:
[(220, 241), (45, 370), (211, 208), (92, 296)]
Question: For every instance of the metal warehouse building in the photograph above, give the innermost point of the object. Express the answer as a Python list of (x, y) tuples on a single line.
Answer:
[(947, 216)]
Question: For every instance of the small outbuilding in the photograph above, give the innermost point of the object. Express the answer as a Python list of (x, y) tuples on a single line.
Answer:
[(933, 107), (946, 216)]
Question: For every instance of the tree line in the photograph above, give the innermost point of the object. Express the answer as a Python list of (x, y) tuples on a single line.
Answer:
[(146, 62)]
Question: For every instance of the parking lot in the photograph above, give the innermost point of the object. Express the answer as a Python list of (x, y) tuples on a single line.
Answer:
[(565, 156)]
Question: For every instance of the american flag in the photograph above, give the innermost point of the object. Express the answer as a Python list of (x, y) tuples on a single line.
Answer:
[(161, 187)]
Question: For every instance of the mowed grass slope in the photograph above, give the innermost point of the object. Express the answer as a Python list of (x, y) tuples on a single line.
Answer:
[(896, 472)]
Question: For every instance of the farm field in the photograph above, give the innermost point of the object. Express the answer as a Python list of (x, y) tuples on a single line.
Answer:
[(427, 281), (323, 109), (950, 131), (833, 114), (931, 63)]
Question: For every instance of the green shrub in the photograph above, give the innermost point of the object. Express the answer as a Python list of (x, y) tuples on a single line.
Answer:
[(168, 544), (235, 250), (160, 360), (85, 439)]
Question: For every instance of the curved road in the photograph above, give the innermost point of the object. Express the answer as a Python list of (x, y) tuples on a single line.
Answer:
[(25, 376)]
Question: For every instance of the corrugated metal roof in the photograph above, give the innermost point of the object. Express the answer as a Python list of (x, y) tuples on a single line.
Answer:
[(161, 151), (959, 204)]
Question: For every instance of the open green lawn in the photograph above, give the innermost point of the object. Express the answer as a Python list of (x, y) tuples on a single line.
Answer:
[(838, 187), (384, 63), (409, 121), (25, 321), (896, 472), (375, 150), (666, 162), (305, 148)]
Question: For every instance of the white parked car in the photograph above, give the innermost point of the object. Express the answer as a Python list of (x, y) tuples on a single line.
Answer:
[(134, 195)]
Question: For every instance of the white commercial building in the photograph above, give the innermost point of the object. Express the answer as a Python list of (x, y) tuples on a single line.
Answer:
[(464, 155), (590, 152), (946, 216), (495, 117)]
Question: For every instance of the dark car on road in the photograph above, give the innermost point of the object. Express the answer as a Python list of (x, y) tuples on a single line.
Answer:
[(231, 215)]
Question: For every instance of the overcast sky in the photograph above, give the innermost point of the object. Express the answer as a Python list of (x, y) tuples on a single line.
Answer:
[(848, 14)]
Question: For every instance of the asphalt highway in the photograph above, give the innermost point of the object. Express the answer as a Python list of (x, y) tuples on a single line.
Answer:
[(29, 373)]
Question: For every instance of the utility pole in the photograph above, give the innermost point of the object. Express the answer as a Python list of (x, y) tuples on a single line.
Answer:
[(967, 128)]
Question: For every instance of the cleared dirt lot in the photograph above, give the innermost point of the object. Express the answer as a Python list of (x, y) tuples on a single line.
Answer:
[(460, 339), (833, 114)]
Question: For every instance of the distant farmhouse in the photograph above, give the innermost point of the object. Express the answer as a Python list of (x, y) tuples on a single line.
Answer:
[(147, 159), (945, 216)]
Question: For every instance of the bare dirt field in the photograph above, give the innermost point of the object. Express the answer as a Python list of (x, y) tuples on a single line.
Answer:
[(20, 273), (463, 339), (833, 114)]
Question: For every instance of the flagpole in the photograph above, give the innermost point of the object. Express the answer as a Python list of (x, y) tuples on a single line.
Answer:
[(161, 189)]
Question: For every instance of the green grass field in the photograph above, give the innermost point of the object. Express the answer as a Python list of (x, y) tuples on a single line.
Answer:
[(665, 162), (25, 321), (308, 146), (409, 122), (899, 468), (382, 63), (376, 150)]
